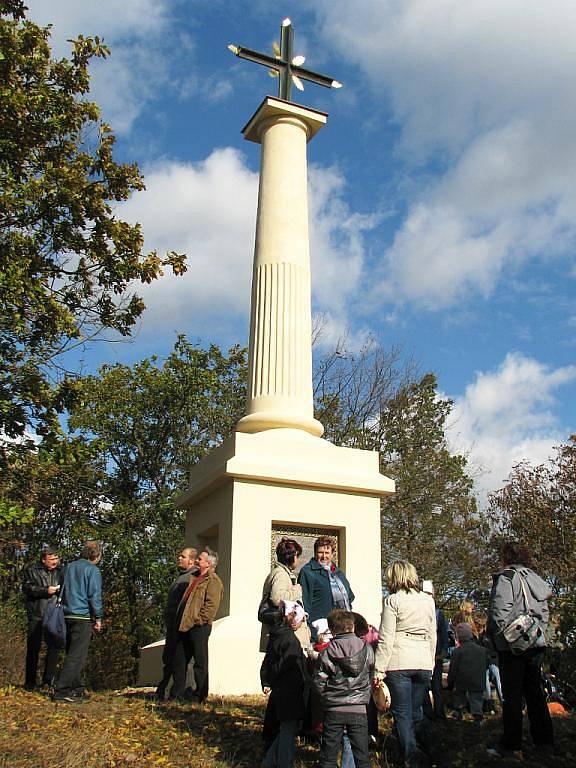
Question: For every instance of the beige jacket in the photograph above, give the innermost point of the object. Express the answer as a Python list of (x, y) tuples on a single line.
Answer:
[(202, 605), (280, 584), (407, 632)]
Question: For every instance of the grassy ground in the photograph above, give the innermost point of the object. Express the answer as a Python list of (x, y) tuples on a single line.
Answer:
[(123, 729)]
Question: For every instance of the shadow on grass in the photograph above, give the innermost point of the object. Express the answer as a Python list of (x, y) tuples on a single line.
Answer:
[(128, 729), (232, 727)]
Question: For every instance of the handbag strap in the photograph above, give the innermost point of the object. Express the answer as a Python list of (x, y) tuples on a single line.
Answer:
[(524, 592), (60, 594)]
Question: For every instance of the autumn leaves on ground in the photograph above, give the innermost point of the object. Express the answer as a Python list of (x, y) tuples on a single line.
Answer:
[(123, 729)]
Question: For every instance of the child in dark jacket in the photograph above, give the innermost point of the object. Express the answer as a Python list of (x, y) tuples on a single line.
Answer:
[(342, 680), (467, 673), (283, 674)]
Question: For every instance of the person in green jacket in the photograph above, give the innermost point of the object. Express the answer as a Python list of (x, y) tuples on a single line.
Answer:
[(324, 585)]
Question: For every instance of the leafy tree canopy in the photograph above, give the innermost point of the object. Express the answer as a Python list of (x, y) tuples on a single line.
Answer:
[(66, 261), (432, 520), (538, 507), (148, 424)]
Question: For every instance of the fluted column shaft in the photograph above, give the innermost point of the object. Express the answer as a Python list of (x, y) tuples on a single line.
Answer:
[(280, 355)]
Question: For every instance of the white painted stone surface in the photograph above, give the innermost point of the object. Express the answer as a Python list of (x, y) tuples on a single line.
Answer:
[(280, 355), (276, 469)]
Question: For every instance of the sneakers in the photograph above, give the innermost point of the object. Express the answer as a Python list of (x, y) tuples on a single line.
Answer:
[(510, 754), (73, 697)]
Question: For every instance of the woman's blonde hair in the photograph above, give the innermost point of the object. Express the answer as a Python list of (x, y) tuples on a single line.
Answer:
[(465, 615), (401, 575)]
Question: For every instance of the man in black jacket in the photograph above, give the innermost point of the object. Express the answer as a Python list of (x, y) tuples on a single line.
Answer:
[(40, 584), (174, 657)]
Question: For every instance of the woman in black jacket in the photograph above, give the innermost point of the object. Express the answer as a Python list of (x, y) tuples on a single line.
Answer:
[(283, 674)]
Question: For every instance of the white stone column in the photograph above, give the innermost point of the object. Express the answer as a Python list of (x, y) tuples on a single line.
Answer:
[(280, 354)]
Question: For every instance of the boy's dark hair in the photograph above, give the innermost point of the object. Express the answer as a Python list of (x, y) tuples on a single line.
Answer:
[(361, 627), (340, 621), (515, 552)]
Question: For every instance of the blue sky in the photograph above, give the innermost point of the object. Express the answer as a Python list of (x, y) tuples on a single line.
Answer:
[(442, 196)]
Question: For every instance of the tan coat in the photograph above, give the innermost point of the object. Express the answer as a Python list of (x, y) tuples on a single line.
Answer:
[(203, 603), (407, 632), (280, 584)]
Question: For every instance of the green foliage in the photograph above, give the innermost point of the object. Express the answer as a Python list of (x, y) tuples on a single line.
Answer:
[(13, 645), (56, 485), (12, 518), (538, 506), (67, 262), (12, 514), (148, 424), (371, 400), (432, 520)]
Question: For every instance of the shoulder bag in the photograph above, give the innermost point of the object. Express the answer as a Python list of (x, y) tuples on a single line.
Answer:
[(524, 630), (268, 613), (54, 623)]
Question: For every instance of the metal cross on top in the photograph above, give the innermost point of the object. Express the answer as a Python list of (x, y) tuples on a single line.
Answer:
[(284, 65)]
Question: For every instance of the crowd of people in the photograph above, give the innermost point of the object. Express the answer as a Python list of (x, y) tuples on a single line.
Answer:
[(191, 607), (325, 668)]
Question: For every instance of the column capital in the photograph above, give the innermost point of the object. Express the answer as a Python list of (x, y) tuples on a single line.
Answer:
[(272, 109)]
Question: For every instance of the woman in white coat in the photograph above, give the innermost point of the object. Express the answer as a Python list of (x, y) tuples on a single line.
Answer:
[(405, 652)]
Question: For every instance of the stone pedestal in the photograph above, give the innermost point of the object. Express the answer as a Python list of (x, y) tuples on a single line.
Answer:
[(279, 477)]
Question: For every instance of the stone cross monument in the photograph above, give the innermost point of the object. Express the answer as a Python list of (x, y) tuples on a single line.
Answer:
[(276, 475)]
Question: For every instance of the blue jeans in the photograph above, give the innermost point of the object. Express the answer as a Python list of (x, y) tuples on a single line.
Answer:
[(280, 754), (493, 672), (347, 756), (408, 687)]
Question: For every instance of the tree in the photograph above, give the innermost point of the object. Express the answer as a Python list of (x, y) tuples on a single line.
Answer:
[(52, 494), (373, 400), (67, 262), (432, 520), (149, 423), (538, 506), (351, 389)]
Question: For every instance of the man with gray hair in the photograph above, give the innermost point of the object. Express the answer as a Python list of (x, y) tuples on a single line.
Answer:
[(202, 598)]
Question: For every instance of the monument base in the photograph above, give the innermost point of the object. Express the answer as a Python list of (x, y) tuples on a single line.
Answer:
[(255, 484)]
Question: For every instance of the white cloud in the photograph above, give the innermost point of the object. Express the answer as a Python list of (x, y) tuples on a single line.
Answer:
[(336, 241), (480, 94), (135, 30), (207, 210), (507, 415), (105, 18)]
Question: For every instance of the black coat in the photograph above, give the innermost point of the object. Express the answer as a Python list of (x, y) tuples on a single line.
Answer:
[(175, 594), (35, 582), (468, 665), (284, 671)]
